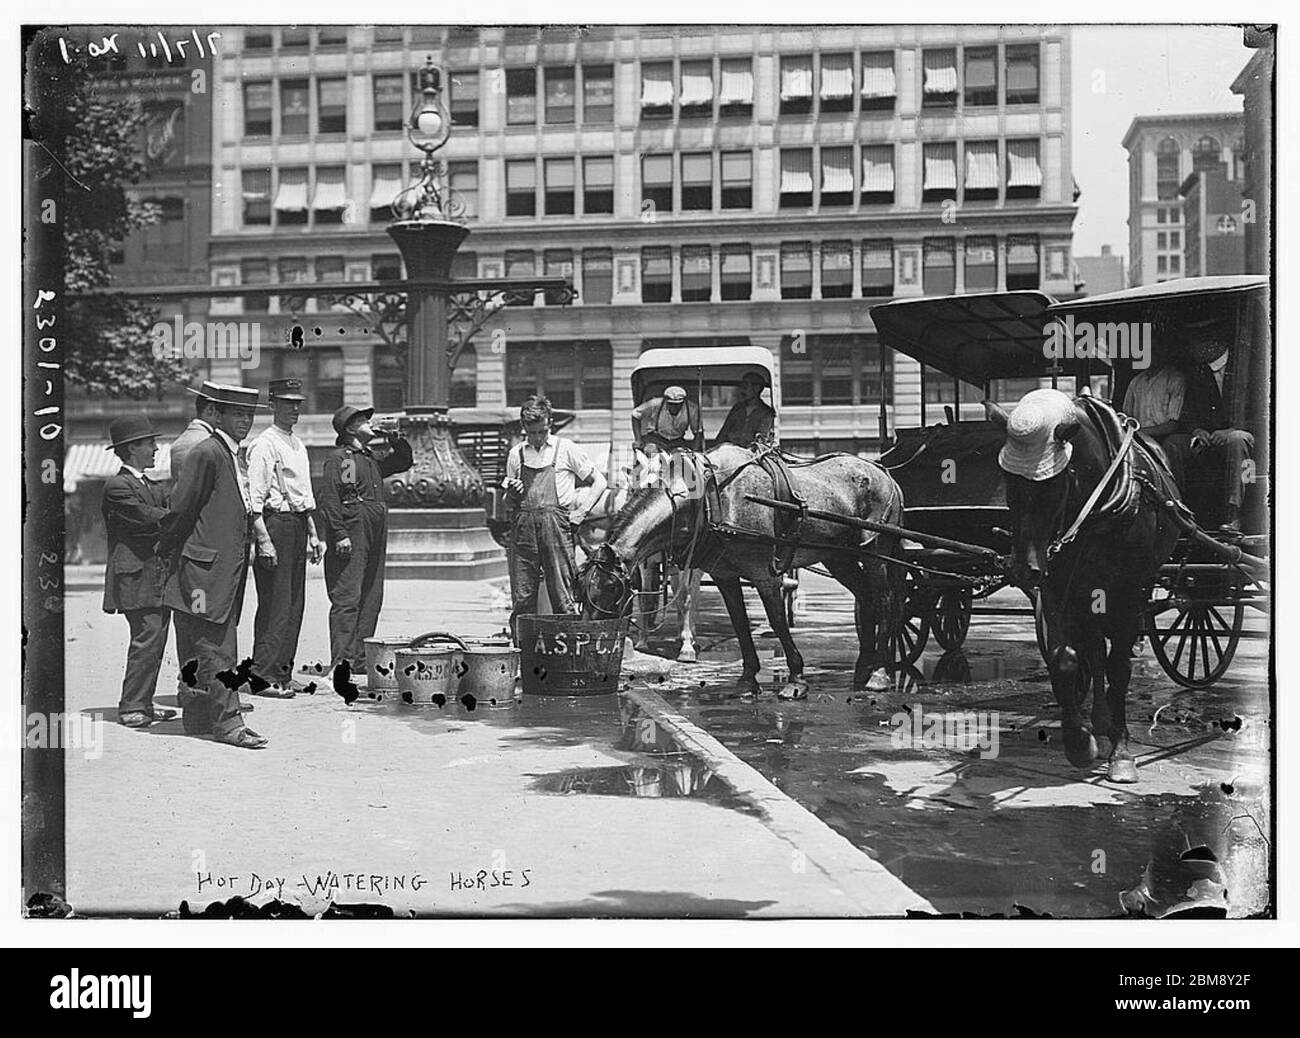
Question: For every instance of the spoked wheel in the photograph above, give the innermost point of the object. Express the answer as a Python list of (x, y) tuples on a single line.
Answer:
[(914, 628), (952, 618), (1195, 641)]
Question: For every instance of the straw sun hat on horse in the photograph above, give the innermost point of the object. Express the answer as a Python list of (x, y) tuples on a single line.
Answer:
[(1032, 449)]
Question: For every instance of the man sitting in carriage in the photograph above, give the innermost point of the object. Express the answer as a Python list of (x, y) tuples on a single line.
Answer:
[(750, 420), (669, 423)]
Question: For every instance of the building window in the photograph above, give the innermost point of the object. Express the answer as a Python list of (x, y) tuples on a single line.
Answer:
[(697, 182), (385, 183), (329, 269), (940, 183), (559, 187), (254, 272), (598, 93), (332, 106), (330, 201), (521, 188), (292, 270), (1168, 168), (256, 189), (1022, 75), (837, 176), (879, 87), (462, 178), (573, 375), (294, 107), (388, 33), (521, 96), (1162, 265), (878, 174), (697, 89), (1205, 154), (520, 263), (656, 90), (1022, 263), (657, 183), (598, 186), (981, 85), (1162, 240), (796, 178), (736, 93), (1161, 214), (291, 197), (464, 378), (981, 183), (736, 272), (833, 370), (1176, 237), (293, 36), (1024, 175), (837, 270), (878, 268), (257, 109), (560, 98), (737, 180), (320, 369), (656, 275), (796, 85), (697, 273), (389, 103), (837, 83), (557, 263), (386, 266), (981, 265), (796, 270), (940, 276), (164, 241), (465, 265), (939, 89), (257, 38), (464, 99), (597, 275)]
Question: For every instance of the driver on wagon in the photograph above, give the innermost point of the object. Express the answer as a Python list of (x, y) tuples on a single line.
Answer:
[(750, 421), (669, 422)]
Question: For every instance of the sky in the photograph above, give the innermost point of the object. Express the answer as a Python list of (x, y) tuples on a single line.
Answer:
[(1123, 71)]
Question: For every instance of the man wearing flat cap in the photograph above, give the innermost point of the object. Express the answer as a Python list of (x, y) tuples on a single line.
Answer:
[(279, 484), (750, 420), (133, 582), (356, 520), (669, 423), (206, 534)]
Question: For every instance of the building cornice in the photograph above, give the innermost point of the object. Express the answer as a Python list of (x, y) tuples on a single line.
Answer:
[(1141, 123)]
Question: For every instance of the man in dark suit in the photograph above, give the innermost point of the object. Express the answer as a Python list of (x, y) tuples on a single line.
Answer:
[(208, 530), (133, 582)]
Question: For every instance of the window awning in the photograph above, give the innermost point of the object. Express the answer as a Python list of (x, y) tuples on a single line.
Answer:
[(982, 165), (981, 71), (837, 170), (91, 461), (331, 192), (386, 185), (877, 255), (878, 168), (837, 75), (292, 195), (941, 168), (1022, 164), (837, 257), (656, 85), (737, 83), (878, 75), (1022, 252), (796, 172), (796, 79), (981, 251), (940, 72), (697, 87)]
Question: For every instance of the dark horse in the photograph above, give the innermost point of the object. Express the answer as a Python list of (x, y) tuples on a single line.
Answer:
[(733, 539), (1095, 586)]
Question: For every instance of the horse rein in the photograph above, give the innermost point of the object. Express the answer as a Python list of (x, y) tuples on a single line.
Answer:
[(1121, 494)]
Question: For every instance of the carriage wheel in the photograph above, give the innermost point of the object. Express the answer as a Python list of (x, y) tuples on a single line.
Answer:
[(914, 629), (952, 618), (1040, 627), (1196, 648)]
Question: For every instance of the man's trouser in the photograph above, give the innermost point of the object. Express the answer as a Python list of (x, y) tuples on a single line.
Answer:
[(541, 544), (143, 658), (211, 705), (1226, 453), (281, 590), (355, 583)]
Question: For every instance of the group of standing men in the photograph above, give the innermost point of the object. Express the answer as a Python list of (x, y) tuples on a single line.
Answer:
[(183, 558)]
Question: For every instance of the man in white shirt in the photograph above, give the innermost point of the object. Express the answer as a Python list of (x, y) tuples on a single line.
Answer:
[(1155, 398), (543, 474), (279, 486)]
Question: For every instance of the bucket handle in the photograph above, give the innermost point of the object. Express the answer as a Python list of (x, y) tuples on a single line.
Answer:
[(434, 636)]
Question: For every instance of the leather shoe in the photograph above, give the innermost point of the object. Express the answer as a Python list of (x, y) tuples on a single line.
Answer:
[(244, 738), (162, 713), (135, 719)]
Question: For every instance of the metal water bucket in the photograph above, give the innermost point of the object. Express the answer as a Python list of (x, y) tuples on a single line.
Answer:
[(381, 663), (491, 670), (429, 668), (569, 656)]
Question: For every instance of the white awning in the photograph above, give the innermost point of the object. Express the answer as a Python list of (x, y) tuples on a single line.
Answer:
[(940, 168), (837, 75), (1022, 252), (878, 168), (837, 170), (796, 78), (940, 72), (982, 165), (656, 85), (796, 172), (1022, 164), (91, 461), (837, 257), (878, 75), (877, 255), (697, 87), (737, 83), (292, 196), (331, 193), (384, 189)]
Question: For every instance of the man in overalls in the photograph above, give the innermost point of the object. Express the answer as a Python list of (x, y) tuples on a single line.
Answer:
[(670, 423), (543, 474)]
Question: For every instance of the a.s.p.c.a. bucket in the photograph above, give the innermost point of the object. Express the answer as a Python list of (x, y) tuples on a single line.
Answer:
[(569, 656)]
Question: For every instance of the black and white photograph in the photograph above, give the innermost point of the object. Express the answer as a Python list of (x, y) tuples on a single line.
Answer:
[(714, 471)]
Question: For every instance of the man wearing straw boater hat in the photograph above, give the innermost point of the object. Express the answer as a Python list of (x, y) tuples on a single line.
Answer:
[(133, 582), (207, 532), (279, 483)]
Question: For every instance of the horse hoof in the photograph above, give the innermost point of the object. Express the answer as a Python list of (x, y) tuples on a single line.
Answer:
[(747, 688), (687, 655), (879, 681), (1104, 746), (1080, 747), (1122, 769), (793, 690)]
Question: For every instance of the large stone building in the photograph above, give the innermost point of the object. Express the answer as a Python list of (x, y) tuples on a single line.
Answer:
[(1163, 151), (1101, 273), (1255, 85), (701, 186), (1214, 225)]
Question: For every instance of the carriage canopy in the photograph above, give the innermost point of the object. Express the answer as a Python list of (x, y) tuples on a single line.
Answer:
[(690, 366)]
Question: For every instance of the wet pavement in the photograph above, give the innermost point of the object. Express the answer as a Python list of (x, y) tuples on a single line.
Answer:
[(978, 810)]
